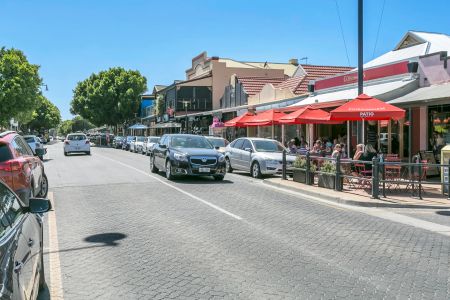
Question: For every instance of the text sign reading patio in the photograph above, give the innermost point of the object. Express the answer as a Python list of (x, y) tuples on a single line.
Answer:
[(366, 114)]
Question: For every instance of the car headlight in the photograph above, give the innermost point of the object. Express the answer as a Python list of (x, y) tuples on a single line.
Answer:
[(271, 162), (221, 158), (180, 157)]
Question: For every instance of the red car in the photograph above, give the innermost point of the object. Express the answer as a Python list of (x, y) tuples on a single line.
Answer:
[(20, 169)]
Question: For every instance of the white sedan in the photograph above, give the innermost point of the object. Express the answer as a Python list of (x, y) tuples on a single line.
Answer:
[(77, 143)]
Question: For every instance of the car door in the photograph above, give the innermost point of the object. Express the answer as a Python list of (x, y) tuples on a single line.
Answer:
[(15, 239), (33, 161), (23, 172), (163, 152), (246, 155), (235, 154), (157, 153)]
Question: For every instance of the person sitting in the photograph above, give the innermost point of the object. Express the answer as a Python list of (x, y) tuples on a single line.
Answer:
[(337, 151), (368, 155), (291, 146), (359, 152), (303, 148), (317, 148)]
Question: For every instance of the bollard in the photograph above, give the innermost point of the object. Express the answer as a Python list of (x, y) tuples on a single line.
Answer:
[(375, 178), (337, 178), (383, 177), (284, 177), (308, 169)]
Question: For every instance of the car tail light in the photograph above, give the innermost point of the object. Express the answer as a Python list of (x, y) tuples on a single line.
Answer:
[(66, 142), (11, 166)]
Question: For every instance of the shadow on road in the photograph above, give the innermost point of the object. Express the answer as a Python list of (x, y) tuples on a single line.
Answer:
[(108, 239), (443, 212), (197, 179), (44, 293)]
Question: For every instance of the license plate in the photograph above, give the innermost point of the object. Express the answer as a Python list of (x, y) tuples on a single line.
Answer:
[(204, 170)]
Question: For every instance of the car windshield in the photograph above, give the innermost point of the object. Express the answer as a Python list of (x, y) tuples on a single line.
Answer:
[(267, 146), (154, 140), (218, 142), (5, 154), (29, 139), (76, 137), (190, 142), (129, 138), (140, 138), (118, 137)]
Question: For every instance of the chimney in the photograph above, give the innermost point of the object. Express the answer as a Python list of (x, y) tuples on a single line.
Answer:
[(293, 61)]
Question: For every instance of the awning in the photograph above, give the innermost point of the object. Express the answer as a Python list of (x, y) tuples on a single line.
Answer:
[(238, 121), (265, 118), (138, 126), (383, 91), (365, 107), (167, 125), (308, 115), (433, 93)]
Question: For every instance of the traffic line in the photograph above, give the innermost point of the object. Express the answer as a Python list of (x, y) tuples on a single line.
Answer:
[(374, 212), (55, 287), (224, 211)]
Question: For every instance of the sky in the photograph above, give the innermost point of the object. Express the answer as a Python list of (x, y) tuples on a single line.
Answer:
[(71, 39)]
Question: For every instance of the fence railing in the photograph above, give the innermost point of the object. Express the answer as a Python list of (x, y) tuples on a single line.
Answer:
[(377, 176)]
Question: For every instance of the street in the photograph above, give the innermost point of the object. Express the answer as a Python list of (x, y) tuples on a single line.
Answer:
[(124, 233)]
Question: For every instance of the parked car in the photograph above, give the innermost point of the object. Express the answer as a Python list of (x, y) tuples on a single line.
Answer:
[(218, 143), (186, 154), (136, 144), (126, 143), (35, 143), (20, 169), (118, 141), (256, 155), (77, 143), (21, 244), (149, 142)]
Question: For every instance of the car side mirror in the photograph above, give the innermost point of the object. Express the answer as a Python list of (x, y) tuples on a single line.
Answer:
[(39, 152), (248, 149), (39, 205), (217, 147), (162, 146)]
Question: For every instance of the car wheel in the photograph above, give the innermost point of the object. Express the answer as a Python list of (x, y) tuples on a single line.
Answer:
[(219, 177), (88, 153), (256, 170), (228, 164), (169, 175), (44, 187), (153, 169), (65, 153)]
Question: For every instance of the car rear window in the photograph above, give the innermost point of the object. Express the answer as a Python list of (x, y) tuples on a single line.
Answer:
[(29, 139), (5, 154), (140, 138), (76, 137), (154, 140)]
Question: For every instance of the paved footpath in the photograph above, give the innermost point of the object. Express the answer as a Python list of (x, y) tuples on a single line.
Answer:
[(126, 234)]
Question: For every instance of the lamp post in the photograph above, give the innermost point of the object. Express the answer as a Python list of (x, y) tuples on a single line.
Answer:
[(185, 103)]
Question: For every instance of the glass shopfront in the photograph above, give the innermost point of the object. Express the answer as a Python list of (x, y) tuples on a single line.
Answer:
[(439, 127)]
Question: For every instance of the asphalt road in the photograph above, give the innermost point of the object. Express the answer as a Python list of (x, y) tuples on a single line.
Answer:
[(124, 233)]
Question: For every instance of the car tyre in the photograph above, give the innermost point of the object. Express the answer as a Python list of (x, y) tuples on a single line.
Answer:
[(228, 164), (88, 152), (219, 177), (44, 187), (65, 153), (169, 175), (153, 168), (256, 170)]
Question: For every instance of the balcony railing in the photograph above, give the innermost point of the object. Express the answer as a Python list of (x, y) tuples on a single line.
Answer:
[(197, 104)]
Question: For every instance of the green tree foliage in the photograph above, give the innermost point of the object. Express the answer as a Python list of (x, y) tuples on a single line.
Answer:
[(65, 127), (109, 97), (19, 86), (46, 116), (159, 107), (74, 125)]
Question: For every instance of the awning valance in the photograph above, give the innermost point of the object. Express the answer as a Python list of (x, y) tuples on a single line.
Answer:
[(433, 93)]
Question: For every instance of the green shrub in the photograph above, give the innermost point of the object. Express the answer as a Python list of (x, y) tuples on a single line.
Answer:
[(300, 163), (328, 167)]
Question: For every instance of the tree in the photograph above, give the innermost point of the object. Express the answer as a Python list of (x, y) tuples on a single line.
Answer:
[(159, 107), (110, 97), (46, 116), (19, 86), (74, 125)]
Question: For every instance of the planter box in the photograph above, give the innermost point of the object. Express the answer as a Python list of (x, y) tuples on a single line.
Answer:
[(299, 175), (328, 181)]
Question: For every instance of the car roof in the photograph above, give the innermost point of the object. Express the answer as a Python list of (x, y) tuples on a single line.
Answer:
[(29, 135), (213, 137), (183, 134), (258, 139), (7, 135)]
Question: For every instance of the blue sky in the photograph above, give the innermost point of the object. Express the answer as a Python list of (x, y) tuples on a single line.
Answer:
[(72, 39)]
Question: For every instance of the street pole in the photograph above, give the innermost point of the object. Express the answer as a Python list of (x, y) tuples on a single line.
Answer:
[(185, 110), (359, 128)]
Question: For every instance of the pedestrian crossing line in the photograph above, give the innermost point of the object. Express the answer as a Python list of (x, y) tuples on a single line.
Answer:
[(177, 189)]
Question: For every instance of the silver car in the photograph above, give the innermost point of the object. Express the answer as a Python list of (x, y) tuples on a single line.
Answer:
[(34, 142), (148, 144), (256, 155)]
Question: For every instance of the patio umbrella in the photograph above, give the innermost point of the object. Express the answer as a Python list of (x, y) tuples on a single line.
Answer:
[(265, 118), (238, 121), (364, 108), (308, 115)]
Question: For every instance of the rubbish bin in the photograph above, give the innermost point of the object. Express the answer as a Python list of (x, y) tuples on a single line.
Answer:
[(445, 160)]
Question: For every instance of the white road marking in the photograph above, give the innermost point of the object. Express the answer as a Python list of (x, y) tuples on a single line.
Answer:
[(375, 212), (56, 290), (176, 188)]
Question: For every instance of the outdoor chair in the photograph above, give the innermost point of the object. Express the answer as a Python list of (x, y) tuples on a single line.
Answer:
[(393, 172), (413, 183), (365, 176)]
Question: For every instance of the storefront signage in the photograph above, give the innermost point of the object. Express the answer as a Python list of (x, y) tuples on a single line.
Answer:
[(366, 114), (369, 74)]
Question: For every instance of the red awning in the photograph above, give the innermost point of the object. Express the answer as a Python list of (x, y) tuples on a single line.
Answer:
[(365, 107), (238, 121), (265, 118), (308, 115)]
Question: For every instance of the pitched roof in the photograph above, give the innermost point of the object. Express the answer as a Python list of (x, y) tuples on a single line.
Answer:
[(288, 68), (299, 84), (253, 85)]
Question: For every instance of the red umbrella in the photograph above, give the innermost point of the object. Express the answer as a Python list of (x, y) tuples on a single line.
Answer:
[(265, 118), (308, 115), (365, 107), (238, 121)]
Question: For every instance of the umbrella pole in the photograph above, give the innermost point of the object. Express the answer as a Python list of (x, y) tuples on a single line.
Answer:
[(273, 131), (363, 133), (282, 134), (348, 138)]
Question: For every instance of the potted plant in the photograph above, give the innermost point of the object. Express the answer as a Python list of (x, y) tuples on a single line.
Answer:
[(299, 170), (327, 178)]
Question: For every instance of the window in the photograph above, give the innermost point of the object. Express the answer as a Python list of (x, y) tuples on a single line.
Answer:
[(25, 146), (190, 142), (267, 146), (154, 140), (10, 209), (5, 154), (76, 137), (19, 147), (246, 145), (238, 144)]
